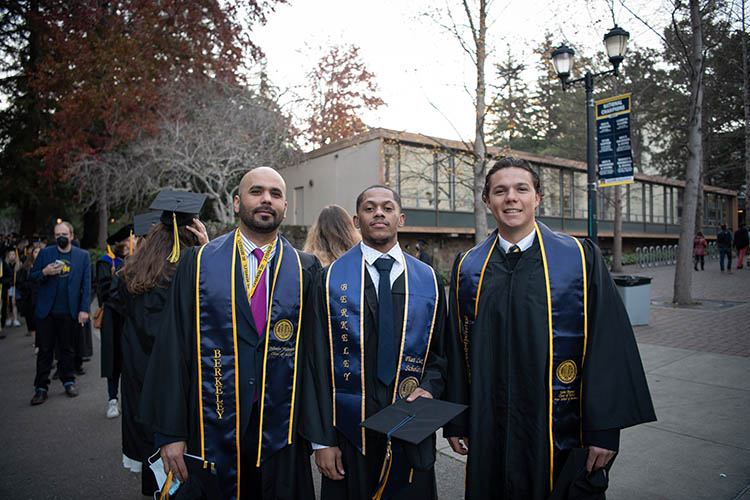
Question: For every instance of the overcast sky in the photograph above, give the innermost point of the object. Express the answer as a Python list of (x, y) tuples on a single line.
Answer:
[(422, 73)]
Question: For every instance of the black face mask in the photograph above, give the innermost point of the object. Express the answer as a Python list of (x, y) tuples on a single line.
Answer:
[(62, 242)]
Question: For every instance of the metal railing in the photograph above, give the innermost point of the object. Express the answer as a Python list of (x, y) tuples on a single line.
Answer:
[(666, 255)]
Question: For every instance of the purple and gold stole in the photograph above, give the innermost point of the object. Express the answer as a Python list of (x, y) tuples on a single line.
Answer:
[(216, 333), (564, 264)]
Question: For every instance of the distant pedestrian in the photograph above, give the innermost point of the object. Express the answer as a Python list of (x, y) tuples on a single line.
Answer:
[(741, 243), (10, 278), (724, 242), (423, 252), (29, 292), (332, 235), (699, 250), (64, 297)]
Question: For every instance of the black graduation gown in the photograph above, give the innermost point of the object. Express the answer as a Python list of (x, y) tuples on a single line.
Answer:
[(110, 352), (169, 403), (363, 472), (507, 419), (137, 318)]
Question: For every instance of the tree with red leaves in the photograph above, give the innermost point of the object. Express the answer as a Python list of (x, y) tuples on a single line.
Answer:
[(341, 89), (104, 63)]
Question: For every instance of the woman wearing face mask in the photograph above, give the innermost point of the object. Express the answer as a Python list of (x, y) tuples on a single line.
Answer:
[(29, 293)]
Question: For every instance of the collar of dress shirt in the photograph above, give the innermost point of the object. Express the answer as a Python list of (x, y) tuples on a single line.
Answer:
[(523, 244), (371, 255), (250, 246)]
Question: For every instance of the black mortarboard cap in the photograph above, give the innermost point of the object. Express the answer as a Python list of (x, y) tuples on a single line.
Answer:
[(202, 482), (575, 483), (413, 422), (178, 209), (183, 204), (142, 223), (122, 234)]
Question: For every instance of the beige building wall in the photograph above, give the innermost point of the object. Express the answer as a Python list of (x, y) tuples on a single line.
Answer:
[(336, 177)]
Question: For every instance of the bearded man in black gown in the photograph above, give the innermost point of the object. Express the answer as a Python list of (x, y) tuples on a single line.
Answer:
[(223, 381)]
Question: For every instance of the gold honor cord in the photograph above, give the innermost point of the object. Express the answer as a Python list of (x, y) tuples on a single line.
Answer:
[(246, 269)]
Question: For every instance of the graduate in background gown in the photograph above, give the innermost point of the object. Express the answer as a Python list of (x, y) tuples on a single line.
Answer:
[(519, 429), (349, 458), (225, 363)]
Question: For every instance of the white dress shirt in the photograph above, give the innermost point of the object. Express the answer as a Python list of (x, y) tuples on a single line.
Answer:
[(371, 255), (524, 244), (252, 262)]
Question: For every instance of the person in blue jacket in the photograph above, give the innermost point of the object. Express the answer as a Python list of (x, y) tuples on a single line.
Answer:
[(64, 296)]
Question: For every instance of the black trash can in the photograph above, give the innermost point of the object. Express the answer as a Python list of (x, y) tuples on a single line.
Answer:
[(635, 292)]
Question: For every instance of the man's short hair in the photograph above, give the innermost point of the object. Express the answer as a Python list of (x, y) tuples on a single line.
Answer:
[(508, 163), (361, 196), (68, 225)]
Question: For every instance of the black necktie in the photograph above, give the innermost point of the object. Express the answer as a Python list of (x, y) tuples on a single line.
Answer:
[(514, 249), (386, 349)]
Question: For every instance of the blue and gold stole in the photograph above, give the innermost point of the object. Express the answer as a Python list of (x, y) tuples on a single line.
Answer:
[(565, 278), (345, 288), (216, 332)]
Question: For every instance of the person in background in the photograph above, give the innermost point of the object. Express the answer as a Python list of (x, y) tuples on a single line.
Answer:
[(423, 253), (119, 246), (29, 293), (64, 297), (10, 277), (724, 242), (740, 244), (699, 250), (331, 235), (136, 301)]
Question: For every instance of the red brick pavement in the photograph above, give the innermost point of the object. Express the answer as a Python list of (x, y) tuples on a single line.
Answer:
[(724, 331)]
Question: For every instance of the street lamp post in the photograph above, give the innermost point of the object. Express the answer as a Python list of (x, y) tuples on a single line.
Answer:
[(616, 43)]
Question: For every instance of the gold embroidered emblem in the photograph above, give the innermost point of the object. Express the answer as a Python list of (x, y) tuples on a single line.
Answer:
[(344, 286), (283, 330), (407, 386), (567, 371)]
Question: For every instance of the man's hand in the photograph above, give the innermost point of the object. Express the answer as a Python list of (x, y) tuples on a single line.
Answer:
[(52, 269), (418, 393), (83, 317), (199, 230), (459, 444), (329, 463), (598, 458), (172, 456)]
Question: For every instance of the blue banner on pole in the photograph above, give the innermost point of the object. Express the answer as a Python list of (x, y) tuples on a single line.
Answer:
[(614, 151)]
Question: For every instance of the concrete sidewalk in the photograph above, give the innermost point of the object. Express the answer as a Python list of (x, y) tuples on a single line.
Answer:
[(697, 361)]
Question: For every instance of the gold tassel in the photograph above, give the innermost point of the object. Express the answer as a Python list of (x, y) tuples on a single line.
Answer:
[(174, 257), (384, 472), (131, 242), (110, 253), (165, 489)]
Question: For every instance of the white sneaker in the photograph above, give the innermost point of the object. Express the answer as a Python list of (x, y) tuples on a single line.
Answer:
[(16, 322), (112, 409), (7, 323)]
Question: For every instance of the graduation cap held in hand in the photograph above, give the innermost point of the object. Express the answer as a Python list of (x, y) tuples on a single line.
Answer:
[(179, 208), (410, 422)]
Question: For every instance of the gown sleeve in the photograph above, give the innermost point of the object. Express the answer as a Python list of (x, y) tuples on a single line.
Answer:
[(457, 378), (615, 392), (317, 395)]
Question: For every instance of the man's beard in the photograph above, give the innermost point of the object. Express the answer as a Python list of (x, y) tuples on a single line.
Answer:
[(260, 226)]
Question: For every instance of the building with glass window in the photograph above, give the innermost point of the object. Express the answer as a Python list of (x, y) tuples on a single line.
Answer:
[(434, 178)]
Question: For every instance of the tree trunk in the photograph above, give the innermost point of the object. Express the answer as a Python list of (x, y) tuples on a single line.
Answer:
[(700, 202), (684, 270), (746, 99), (480, 148), (617, 239), (90, 229), (101, 239)]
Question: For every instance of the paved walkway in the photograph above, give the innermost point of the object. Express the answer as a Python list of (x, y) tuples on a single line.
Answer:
[(697, 360)]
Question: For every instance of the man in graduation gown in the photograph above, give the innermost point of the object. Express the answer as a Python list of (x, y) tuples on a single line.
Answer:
[(540, 347), (223, 378), (378, 339)]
